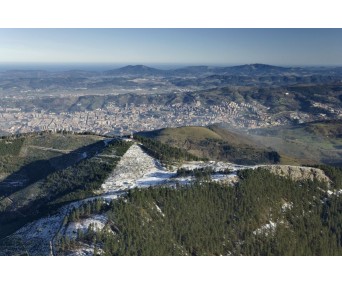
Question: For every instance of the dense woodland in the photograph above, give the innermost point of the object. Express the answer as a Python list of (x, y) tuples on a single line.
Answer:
[(201, 173), (80, 180), (208, 218), (334, 173), (164, 152), (10, 146)]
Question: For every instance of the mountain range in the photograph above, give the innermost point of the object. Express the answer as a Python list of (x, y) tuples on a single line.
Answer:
[(143, 70), (246, 70)]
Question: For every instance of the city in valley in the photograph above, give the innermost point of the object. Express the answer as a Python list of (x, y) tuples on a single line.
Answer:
[(139, 98), (131, 118)]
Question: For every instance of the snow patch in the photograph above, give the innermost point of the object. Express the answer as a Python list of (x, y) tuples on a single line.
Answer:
[(266, 229), (85, 250), (159, 210), (99, 221), (138, 169), (337, 192), (44, 228), (286, 206), (217, 166), (134, 165)]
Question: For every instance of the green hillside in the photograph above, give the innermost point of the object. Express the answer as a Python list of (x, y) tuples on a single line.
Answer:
[(214, 143), (43, 171), (181, 133), (30, 156)]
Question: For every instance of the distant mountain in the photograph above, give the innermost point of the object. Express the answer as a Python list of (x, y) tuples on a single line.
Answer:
[(254, 69), (239, 70), (135, 70), (202, 70)]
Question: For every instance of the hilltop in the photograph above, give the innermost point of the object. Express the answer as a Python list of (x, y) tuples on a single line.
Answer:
[(134, 70), (214, 143)]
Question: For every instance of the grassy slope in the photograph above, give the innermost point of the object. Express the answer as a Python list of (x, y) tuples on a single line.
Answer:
[(212, 143)]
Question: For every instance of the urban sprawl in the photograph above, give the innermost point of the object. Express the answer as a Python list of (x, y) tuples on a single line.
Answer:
[(120, 120)]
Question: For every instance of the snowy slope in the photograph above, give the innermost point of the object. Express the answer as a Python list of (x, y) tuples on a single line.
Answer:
[(138, 169), (99, 221), (135, 169), (133, 166)]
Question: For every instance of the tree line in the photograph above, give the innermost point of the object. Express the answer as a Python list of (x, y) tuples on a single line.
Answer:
[(164, 152)]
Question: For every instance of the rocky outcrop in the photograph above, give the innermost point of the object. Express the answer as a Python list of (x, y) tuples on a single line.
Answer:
[(298, 172)]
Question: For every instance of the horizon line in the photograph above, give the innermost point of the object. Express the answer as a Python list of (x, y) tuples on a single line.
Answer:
[(117, 65)]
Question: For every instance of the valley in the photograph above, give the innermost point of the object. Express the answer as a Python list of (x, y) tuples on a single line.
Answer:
[(140, 98)]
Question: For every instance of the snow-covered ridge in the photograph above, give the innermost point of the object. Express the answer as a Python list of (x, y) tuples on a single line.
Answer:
[(217, 166), (137, 169)]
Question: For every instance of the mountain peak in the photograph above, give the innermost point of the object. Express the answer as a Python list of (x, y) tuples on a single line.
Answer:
[(135, 70), (139, 66)]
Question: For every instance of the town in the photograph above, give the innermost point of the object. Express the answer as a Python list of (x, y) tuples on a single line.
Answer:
[(117, 120)]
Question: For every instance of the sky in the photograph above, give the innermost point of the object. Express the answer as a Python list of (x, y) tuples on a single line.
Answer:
[(172, 46)]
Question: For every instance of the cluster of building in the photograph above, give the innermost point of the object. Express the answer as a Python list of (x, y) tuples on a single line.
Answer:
[(115, 119)]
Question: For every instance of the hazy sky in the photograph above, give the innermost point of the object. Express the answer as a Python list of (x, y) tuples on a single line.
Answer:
[(172, 46)]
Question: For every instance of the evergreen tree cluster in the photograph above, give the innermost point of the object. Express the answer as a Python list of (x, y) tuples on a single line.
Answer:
[(86, 210), (80, 180), (208, 218), (201, 173), (334, 173), (164, 152), (10, 146), (91, 235)]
